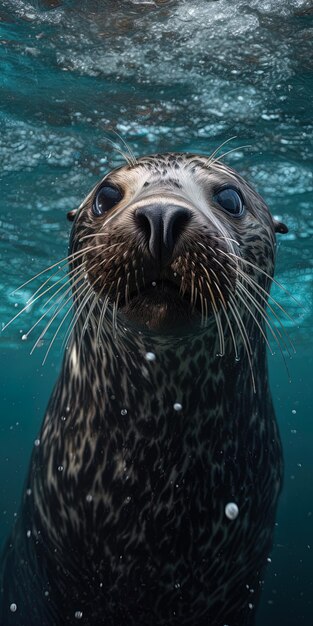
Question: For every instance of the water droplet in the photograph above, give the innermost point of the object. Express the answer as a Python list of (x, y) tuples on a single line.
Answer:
[(153, 283), (231, 510), (63, 418), (293, 410), (237, 358), (29, 533), (78, 614), (177, 406), (250, 605), (28, 492), (60, 468), (13, 607), (67, 410), (37, 442), (127, 500), (269, 560), (150, 356), (46, 593), (89, 497), (124, 412), (24, 337)]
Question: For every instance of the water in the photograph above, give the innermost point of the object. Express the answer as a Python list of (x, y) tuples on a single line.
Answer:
[(165, 75)]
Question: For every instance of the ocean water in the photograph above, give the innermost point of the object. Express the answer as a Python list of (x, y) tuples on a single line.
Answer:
[(162, 75)]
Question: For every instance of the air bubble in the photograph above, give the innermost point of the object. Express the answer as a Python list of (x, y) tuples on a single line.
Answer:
[(231, 510), (60, 468), (29, 533), (37, 443), (150, 356), (124, 412), (293, 410), (89, 497), (177, 406), (13, 607), (78, 614)]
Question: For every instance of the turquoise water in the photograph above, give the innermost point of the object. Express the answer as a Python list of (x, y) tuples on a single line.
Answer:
[(165, 75)]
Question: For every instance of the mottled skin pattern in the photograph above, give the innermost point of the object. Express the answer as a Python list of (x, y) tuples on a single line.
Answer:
[(123, 516)]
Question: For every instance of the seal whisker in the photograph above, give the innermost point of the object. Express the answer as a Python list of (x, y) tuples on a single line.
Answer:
[(132, 158), (262, 331), (231, 330), (211, 157), (102, 315), (65, 260), (256, 288), (81, 291), (217, 320), (76, 273), (260, 291), (259, 269), (244, 336), (267, 322), (32, 299), (214, 161)]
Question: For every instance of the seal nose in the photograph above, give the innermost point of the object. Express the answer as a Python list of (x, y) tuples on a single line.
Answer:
[(162, 225)]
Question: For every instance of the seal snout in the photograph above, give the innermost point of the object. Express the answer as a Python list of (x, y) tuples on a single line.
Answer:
[(162, 225)]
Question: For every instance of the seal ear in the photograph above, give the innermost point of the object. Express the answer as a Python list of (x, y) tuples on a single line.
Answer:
[(71, 215), (280, 227)]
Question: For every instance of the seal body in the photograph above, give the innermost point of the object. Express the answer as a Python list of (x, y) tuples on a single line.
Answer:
[(162, 414)]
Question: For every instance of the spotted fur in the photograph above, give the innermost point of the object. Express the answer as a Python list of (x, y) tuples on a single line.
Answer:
[(123, 516)]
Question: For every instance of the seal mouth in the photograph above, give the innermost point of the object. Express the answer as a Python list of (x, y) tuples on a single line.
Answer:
[(161, 306)]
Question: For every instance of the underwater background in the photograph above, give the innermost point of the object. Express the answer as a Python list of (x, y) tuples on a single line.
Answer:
[(164, 75)]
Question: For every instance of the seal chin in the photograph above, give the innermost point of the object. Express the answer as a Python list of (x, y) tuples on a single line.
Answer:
[(161, 308)]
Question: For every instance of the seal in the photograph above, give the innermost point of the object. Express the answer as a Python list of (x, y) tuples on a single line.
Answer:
[(153, 485)]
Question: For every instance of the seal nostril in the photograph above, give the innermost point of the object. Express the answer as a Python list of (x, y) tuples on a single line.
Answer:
[(162, 225), (144, 224), (176, 224)]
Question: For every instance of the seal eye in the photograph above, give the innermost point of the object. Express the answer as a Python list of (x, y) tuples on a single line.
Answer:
[(106, 198), (230, 200)]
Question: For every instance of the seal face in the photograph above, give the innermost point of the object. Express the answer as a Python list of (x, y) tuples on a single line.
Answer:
[(151, 498)]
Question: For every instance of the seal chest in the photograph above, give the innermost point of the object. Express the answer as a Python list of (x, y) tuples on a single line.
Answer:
[(151, 497)]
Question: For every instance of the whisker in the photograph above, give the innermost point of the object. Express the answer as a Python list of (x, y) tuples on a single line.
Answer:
[(231, 331), (272, 331), (229, 151), (254, 285), (132, 157), (81, 291), (271, 278), (244, 336), (211, 157), (69, 257), (42, 334)]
